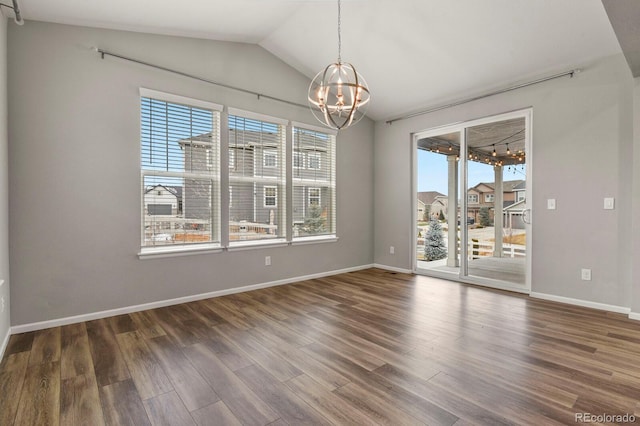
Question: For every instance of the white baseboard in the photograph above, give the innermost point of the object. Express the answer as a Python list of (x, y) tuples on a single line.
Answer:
[(5, 342), (584, 303), (634, 316), (162, 303), (393, 268)]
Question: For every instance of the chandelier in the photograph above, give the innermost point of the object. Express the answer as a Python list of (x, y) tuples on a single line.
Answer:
[(338, 95)]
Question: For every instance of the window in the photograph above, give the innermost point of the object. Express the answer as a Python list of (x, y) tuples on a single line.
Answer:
[(270, 196), (473, 198), (270, 158), (259, 179), (179, 146), (182, 182), (313, 160), (314, 188), (488, 198), (314, 196), (521, 195)]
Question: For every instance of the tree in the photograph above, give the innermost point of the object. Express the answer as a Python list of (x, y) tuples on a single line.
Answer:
[(485, 220), (314, 222), (441, 215), (427, 213), (434, 246)]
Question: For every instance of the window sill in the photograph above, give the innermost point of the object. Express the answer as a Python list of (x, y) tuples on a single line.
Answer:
[(168, 251), (249, 245), (314, 240)]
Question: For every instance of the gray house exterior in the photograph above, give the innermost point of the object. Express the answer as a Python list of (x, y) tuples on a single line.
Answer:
[(256, 182)]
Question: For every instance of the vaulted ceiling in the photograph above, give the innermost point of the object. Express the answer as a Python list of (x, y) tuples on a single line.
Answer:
[(413, 53)]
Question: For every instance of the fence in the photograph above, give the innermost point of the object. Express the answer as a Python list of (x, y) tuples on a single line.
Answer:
[(478, 249)]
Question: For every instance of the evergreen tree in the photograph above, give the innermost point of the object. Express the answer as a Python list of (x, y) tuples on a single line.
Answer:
[(441, 215), (434, 246), (314, 222), (485, 219)]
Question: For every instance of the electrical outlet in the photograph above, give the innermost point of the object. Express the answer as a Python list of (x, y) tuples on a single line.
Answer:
[(586, 275), (267, 261), (551, 204), (609, 203), (392, 250)]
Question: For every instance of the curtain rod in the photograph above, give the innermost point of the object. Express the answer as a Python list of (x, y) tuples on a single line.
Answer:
[(570, 73), (104, 53)]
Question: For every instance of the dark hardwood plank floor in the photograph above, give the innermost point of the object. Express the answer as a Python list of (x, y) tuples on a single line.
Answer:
[(367, 347)]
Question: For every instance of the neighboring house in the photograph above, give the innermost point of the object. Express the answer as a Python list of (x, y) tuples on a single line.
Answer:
[(483, 195), (163, 200), (426, 199), (520, 191), (440, 204), (256, 174)]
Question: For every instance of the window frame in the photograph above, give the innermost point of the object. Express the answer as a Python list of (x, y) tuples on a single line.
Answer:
[(211, 175), (316, 155), (489, 198), (267, 153), (319, 196), (475, 199), (300, 155), (274, 196)]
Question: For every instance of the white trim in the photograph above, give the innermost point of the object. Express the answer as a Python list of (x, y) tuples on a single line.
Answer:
[(301, 241), (5, 342), (634, 316), (173, 251), (159, 304), (318, 129), (583, 303), (392, 268), (257, 244), (257, 116), (170, 97)]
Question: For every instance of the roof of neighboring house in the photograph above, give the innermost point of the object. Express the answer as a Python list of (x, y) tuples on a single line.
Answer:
[(507, 185), (521, 186), (175, 190), (517, 207), (427, 197)]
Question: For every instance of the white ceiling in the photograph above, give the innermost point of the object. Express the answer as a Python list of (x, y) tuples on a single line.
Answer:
[(413, 53)]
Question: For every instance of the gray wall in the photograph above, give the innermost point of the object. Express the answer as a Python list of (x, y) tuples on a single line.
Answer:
[(4, 182), (582, 152), (74, 181)]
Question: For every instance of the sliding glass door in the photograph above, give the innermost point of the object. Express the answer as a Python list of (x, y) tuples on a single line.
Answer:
[(472, 217)]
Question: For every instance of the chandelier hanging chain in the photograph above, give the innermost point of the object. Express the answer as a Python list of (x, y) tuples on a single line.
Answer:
[(339, 34)]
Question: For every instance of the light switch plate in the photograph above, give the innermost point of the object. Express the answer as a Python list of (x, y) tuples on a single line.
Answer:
[(609, 203), (551, 204)]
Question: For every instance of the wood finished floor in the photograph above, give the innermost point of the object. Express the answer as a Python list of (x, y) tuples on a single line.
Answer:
[(368, 347)]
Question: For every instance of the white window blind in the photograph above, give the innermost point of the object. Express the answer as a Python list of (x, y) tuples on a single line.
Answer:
[(180, 172), (314, 186), (258, 209)]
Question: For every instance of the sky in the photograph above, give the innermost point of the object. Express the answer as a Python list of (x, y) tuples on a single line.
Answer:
[(432, 172)]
